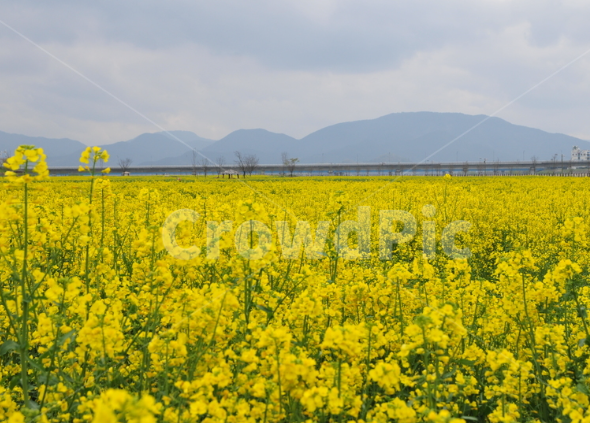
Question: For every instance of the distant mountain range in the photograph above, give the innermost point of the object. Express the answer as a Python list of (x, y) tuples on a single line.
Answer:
[(142, 149), (398, 137)]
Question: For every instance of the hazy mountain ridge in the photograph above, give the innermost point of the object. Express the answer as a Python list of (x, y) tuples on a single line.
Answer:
[(53, 147), (416, 136), (141, 149), (397, 137)]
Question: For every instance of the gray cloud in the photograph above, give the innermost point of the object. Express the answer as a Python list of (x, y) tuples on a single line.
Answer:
[(293, 66), (339, 36)]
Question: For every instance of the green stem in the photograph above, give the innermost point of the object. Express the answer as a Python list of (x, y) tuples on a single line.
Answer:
[(401, 312), (281, 407), (24, 341), (87, 265)]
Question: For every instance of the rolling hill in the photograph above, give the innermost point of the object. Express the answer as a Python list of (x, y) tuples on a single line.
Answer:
[(142, 149), (397, 137)]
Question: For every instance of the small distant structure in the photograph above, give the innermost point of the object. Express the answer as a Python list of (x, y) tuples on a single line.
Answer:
[(579, 155), (125, 174), (230, 173)]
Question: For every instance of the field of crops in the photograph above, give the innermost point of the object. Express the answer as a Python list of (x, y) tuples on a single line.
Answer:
[(104, 317)]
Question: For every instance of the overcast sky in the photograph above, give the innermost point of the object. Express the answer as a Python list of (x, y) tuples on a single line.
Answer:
[(287, 66)]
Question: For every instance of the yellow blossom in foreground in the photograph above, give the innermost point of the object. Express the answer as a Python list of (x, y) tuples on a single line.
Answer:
[(114, 328)]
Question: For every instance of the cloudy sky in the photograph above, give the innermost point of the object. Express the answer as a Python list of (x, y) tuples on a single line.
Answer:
[(289, 66)]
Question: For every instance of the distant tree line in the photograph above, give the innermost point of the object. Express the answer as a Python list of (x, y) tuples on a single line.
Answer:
[(289, 163), (247, 163), (124, 165)]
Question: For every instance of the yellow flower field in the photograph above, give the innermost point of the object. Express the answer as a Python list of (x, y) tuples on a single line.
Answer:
[(102, 321)]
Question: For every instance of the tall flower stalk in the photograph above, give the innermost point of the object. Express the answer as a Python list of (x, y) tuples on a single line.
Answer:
[(21, 174), (91, 155)]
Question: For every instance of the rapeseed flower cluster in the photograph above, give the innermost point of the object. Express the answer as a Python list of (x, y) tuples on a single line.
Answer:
[(90, 156), (33, 160), (99, 323)]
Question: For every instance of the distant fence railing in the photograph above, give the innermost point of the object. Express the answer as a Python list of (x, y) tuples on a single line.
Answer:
[(570, 168)]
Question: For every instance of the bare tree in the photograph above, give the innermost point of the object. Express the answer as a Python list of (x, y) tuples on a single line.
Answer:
[(251, 163), (465, 168), (194, 162), (289, 163), (205, 165), (534, 165), (125, 164), (220, 163), (241, 162), (246, 163)]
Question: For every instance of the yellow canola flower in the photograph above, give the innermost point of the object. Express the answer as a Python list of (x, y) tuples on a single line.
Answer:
[(33, 159), (118, 405), (119, 330), (16, 417), (95, 154), (85, 156)]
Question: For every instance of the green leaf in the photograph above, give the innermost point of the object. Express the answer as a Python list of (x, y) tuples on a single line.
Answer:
[(465, 362), (267, 310), (263, 308), (65, 337), (15, 381), (32, 405), (8, 346), (582, 342), (48, 379), (583, 389), (35, 365)]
